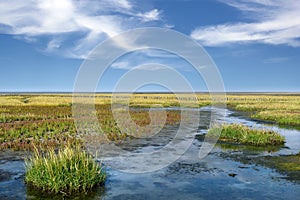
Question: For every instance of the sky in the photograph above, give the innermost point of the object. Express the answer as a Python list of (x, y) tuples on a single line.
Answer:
[(255, 44)]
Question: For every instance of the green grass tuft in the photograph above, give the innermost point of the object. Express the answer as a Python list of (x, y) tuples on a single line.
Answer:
[(242, 134), (68, 171)]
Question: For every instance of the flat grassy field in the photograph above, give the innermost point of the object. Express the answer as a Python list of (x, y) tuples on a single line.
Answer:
[(45, 120)]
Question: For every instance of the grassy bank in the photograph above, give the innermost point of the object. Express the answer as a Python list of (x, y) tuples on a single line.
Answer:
[(283, 109), (241, 134), (69, 171)]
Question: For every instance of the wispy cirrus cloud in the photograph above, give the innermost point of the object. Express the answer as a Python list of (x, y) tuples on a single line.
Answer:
[(127, 65), (138, 59), (85, 23), (275, 22), (275, 60)]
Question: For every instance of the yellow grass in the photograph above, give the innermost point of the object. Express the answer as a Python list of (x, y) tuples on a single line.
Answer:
[(281, 108)]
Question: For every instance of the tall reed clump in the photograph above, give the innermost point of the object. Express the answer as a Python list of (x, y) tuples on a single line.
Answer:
[(242, 134), (68, 171)]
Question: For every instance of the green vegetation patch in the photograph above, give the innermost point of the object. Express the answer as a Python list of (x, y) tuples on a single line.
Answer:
[(286, 163), (280, 116), (69, 171), (289, 165), (242, 134)]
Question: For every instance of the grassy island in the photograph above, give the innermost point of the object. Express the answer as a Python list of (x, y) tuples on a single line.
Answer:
[(69, 171), (242, 134)]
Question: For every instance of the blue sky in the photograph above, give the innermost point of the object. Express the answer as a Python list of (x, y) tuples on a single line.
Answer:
[(254, 43)]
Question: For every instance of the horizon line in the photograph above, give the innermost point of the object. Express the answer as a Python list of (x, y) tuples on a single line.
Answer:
[(147, 92)]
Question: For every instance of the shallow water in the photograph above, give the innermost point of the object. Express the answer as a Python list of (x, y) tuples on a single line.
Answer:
[(228, 172)]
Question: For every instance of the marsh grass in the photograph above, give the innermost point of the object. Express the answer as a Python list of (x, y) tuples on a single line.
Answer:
[(281, 108), (242, 134), (47, 120), (69, 171)]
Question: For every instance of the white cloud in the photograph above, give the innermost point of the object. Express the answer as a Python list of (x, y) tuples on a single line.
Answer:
[(59, 20), (121, 65), (170, 26), (125, 65), (275, 60), (151, 60), (121, 3), (158, 54), (151, 15), (275, 22), (53, 45)]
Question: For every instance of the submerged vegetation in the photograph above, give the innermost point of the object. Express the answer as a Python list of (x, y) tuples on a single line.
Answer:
[(69, 171), (288, 163), (242, 134)]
